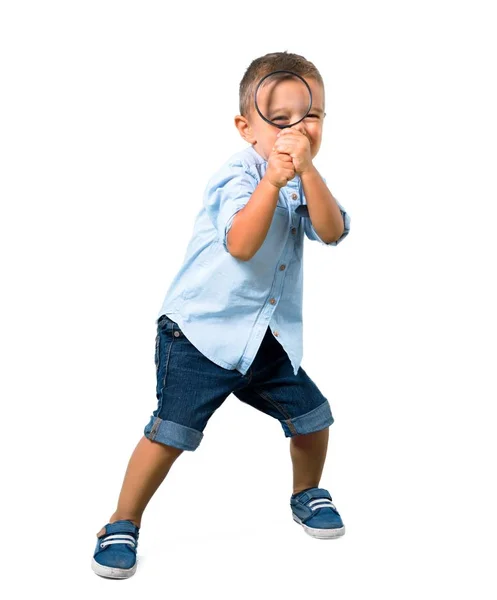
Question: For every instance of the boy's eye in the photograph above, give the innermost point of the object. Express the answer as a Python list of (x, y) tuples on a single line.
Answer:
[(281, 118)]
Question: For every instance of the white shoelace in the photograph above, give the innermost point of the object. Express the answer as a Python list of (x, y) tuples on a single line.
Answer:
[(320, 503), (118, 538)]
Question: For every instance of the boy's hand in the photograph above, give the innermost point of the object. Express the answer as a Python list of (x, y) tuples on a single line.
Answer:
[(296, 144), (280, 169)]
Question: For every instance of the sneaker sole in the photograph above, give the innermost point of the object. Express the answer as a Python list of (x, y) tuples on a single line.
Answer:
[(112, 572), (321, 534)]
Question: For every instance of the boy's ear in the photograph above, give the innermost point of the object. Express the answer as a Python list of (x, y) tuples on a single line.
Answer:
[(245, 129)]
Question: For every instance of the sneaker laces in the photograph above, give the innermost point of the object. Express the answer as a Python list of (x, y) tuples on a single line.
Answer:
[(316, 503), (118, 538)]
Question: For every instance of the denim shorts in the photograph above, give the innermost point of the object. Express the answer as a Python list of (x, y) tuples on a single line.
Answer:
[(190, 387)]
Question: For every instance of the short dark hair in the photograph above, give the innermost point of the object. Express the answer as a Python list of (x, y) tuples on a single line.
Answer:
[(264, 65)]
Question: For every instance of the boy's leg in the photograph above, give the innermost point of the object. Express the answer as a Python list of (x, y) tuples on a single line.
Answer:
[(294, 400), (147, 468), (308, 452)]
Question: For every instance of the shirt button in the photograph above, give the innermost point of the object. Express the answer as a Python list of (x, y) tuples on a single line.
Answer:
[(272, 301), (294, 196), (294, 230), (176, 334), (282, 267), (276, 333)]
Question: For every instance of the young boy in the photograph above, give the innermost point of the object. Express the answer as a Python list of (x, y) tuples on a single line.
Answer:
[(231, 321)]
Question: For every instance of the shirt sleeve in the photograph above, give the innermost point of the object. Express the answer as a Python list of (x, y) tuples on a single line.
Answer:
[(228, 191), (312, 234)]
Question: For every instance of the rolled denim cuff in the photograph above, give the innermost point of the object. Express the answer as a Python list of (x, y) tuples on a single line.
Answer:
[(172, 434), (314, 420)]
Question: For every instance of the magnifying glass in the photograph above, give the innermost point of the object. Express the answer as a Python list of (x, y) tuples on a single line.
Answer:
[(283, 98)]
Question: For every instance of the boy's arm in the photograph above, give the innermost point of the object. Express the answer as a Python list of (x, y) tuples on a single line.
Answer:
[(324, 211), (312, 234), (328, 221), (251, 223), (241, 207)]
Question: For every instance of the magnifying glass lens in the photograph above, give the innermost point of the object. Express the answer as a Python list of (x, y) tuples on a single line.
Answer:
[(283, 99)]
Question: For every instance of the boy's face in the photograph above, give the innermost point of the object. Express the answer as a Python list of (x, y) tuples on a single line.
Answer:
[(262, 135)]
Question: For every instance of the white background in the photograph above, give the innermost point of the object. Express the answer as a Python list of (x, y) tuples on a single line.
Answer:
[(113, 116)]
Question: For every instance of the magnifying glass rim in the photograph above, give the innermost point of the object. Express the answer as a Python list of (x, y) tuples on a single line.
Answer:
[(271, 122)]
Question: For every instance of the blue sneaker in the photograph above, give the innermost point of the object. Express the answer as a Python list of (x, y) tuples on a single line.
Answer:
[(313, 509), (115, 553)]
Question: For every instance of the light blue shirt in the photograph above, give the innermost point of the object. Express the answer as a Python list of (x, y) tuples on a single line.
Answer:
[(224, 305)]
